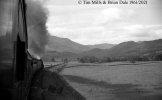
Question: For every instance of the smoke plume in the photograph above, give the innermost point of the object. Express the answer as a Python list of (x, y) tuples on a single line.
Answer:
[(37, 32), (5, 16)]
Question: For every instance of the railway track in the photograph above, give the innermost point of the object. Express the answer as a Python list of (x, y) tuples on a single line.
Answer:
[(55, 67)]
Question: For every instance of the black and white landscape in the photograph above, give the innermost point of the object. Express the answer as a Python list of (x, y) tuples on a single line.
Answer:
[(114, 51), (81, 49), (66, 48)]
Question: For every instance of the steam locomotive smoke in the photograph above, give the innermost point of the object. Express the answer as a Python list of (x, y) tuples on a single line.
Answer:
[(37, 32)]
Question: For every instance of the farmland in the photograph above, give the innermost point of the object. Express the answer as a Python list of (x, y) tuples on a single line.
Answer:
[(117, 80)]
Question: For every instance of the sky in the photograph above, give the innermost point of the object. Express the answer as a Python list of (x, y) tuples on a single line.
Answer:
[(95, 24)]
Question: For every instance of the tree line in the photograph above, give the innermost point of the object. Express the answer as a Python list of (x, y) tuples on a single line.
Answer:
[(133, 59)]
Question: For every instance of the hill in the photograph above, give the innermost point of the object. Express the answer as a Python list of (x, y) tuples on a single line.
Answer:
[(65, 45), (65, 48), (102, 46), (129, 48), (50, 55)]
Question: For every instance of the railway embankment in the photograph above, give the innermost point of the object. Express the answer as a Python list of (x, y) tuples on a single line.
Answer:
[(48, 85)]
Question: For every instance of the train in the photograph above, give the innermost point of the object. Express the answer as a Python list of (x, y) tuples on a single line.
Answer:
[(17, 65)]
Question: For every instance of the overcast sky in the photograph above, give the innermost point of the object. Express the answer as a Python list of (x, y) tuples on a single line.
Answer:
[(94, 24)]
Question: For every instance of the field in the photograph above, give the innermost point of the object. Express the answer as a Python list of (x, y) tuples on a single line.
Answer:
[(116, 81)]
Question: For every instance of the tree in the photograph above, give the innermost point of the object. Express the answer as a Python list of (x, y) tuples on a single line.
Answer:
[(53, 59)]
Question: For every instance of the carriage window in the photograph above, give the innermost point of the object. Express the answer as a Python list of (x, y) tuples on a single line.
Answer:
[(6, 41)]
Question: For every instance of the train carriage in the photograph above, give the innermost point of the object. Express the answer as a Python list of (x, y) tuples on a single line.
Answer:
[(17, 65)]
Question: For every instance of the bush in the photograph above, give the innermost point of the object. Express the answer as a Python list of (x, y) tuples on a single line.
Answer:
[(88, 59)]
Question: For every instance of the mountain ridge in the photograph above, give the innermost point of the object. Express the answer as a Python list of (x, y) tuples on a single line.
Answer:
[(66, 45), (101, 46), (65, 48), (129, 48)]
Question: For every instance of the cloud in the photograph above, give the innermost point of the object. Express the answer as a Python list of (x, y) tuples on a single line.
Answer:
[(95, 35), (108, 15), (137, 32), (96, 24), (144, 30)]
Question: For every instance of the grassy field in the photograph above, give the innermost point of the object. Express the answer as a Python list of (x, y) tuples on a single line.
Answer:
[(116, 81)]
